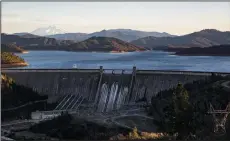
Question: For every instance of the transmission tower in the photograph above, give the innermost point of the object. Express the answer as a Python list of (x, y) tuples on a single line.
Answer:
[(219, 121)]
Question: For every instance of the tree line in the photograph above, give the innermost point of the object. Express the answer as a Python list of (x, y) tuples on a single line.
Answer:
[(182, 111)]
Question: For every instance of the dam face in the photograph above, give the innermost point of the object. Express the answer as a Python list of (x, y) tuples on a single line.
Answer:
[(105, 91)]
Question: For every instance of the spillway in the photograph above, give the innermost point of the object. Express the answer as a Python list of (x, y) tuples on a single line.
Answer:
[(102, 90)]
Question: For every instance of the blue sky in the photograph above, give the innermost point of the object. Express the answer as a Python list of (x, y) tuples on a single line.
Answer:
[(172, 17)]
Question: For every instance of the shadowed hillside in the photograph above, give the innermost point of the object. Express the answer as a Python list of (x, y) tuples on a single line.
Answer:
[(14, 95), (204, 38), (11, 48), (222, 50), (183, 111)]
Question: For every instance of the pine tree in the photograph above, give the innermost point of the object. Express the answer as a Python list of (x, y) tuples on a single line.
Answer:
[(179, 113)]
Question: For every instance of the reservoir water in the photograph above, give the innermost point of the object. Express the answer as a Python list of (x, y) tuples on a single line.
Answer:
[(151, 60)]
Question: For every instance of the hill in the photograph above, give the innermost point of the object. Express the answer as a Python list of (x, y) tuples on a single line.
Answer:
[(11, 48), (122, 34), (104, 44), (221, 50), (11, 60), (27, 40), (203, 38)]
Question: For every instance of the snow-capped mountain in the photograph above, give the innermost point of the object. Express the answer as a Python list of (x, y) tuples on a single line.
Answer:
[(51, 30)]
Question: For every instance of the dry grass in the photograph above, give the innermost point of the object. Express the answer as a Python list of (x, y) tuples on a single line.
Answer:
[(134, 135)]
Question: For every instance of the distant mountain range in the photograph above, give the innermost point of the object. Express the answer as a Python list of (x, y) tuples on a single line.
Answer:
[(32, 40), (101, 42), (203, 38), (76, 37), (122, 34), (26, 35), (127, 34)]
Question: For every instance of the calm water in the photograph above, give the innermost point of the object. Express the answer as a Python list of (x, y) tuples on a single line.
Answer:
[(156, 60)]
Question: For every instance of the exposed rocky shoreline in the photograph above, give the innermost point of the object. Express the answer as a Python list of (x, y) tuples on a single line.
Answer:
[(14, 65)]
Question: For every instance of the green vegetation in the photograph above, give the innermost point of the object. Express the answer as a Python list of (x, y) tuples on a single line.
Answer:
[(11, 48), (221, 50), (182, 111), (66, 127), (104, 44), (14, 95), (135, 135), (179, 112), (10, 58)]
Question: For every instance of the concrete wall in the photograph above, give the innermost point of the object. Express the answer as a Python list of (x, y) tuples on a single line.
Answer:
[(56, 83)]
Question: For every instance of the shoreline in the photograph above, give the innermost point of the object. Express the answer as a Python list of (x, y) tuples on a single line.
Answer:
[(220, 55), (126, 51), (24, 52), (14, 65), (89, 51), (121, 52)]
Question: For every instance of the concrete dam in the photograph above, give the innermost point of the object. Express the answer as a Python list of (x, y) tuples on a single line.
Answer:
[(102, 90)]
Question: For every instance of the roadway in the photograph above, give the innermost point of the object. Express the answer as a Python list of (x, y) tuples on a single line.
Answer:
[(226, 85), (24, 105), (3, 138), (9, 127)]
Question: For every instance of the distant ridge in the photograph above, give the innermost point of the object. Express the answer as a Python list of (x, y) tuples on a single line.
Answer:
[(203, 38), (26, 35), (70, 36), (21, 33), (122, 34), (100, 42), (32, 40)]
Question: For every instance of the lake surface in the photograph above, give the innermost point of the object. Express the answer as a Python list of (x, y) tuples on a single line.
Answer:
[(153, 60)]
